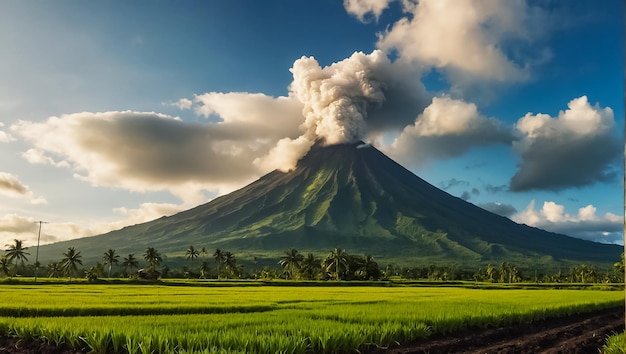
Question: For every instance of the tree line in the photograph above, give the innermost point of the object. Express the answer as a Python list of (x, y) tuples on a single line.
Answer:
[(293, 265)]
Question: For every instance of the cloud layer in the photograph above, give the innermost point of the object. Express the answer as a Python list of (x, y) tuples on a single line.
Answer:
[(447, 128), (465, 39), (11, 186), (584, 224), (144, 151), (578, 147)]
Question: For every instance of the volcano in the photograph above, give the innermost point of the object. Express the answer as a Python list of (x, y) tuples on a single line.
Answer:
[(354, 197)]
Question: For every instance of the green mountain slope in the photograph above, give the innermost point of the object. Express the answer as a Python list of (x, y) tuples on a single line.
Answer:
[(350, 196)]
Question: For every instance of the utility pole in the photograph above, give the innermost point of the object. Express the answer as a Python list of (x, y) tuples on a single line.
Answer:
[(37, 253)]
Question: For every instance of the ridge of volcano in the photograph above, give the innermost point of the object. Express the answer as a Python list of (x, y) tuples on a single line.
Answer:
[(354, 197)]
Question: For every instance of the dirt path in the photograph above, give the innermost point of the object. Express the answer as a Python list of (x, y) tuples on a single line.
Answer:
[(577, 334)]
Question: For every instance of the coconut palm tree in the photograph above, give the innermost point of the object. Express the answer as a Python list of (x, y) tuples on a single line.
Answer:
[(70, 259), (17, 252), (4, 265), (230, 263), (336, 261), (130, 262), (93, 273), (310, 266), (204, 269), (192, 254), (219, 259), (153, 257), (55, 270), (369, 267), (203, 252), (291, 261), (110, 258)]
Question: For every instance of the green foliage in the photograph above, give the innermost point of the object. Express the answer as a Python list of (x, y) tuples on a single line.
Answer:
[(110, 258), (69, 262), (615, 344), (16, 251)]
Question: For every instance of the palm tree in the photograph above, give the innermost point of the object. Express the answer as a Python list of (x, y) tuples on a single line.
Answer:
[(191, 254), (70, 259), (203, 252), (291, 261), (153, 257), (55, 270), (219, 259), (369, 267), (230, 263), (310, 266), (490, 272), (130, 262), (17, 252), (204, 269), (336, 261), (110, 258), (92, 273), (4, 265)]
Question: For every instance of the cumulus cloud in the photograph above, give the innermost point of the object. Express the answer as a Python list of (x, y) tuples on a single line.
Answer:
[(465, 39), (144, 151), (11, 186), (183, 103), (583, 224), (4, 136), (447, 128), (578, 147), (36, 156), (362, 9)]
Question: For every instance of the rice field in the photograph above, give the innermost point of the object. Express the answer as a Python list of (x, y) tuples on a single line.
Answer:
[(127, 318)]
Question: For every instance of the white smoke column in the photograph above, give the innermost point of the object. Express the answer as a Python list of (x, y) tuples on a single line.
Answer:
[(337, 98), (345, 102)]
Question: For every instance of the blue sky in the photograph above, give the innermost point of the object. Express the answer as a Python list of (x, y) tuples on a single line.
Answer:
[(114, 113)]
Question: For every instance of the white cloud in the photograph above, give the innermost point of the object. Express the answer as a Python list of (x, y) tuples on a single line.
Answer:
[(36, 156), (465, 38), (445, 129), (146, 151), (583, 224), (11, 186), (183, 103), (578, 147), (4, 136), (364, 8)]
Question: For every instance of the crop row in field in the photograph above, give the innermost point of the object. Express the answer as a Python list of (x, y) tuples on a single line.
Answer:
[(288, 319)]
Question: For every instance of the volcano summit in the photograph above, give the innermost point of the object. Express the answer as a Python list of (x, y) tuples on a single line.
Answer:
[(354, 197)]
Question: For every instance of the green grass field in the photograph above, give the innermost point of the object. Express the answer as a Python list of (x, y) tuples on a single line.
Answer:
[(131, 318)]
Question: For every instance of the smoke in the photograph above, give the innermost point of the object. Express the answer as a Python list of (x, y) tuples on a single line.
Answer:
[(337, 98), (347, 101)]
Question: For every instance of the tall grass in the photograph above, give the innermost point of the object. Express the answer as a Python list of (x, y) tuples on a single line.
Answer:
[(161, 319), (615, 344)]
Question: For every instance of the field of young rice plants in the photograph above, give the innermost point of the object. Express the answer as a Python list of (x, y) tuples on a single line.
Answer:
[(128, 318)]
